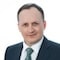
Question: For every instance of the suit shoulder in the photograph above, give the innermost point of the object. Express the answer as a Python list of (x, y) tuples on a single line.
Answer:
[(51, 44), (13, 50), (15, 46), (54, 45)]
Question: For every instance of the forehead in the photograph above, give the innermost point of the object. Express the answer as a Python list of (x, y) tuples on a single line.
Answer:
[(30, 14), (30, 9)]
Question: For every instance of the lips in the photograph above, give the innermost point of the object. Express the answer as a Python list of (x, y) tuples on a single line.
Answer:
[(31, 34)]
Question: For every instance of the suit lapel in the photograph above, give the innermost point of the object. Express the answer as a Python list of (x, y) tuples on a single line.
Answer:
[(19, 50), (43, 52)]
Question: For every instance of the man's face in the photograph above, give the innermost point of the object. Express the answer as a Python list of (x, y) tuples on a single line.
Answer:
[(31, 25)]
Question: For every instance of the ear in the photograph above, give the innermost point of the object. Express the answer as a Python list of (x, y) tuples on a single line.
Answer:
[(44, 24), (18, 27)]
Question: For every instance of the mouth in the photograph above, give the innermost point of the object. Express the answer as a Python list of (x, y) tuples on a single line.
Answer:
[(31, 35)]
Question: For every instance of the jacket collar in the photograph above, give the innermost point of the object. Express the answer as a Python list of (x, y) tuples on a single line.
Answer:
[(43, 52)]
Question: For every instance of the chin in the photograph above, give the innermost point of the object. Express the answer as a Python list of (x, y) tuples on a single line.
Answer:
[(33, 41)]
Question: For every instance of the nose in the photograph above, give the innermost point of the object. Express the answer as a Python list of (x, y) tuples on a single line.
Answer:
[(31, 29)]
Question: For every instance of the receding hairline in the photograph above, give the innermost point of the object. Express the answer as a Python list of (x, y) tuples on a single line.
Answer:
[(28, 6)]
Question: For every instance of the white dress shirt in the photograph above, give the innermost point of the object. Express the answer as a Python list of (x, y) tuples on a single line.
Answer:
[(35, 48)]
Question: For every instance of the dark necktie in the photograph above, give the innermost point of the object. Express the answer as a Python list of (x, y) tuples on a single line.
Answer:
[(29, 52)]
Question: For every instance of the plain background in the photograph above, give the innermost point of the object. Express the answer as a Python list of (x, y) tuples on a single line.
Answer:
[(9, 33)]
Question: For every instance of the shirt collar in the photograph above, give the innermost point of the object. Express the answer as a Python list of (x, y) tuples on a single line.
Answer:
[(35, 47)]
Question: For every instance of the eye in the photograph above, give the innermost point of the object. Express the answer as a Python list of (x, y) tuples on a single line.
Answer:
[(35, 24), (25, 24)]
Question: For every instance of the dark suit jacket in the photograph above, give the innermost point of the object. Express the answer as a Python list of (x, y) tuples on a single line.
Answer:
[(48, 51)]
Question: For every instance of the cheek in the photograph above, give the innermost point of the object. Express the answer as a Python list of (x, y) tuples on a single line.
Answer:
[(23, 31), (39, 30)]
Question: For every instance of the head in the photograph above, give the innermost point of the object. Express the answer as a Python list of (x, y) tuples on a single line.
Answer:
[(31, 23)]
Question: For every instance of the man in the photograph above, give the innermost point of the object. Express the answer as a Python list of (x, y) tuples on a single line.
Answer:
[(35, 46)]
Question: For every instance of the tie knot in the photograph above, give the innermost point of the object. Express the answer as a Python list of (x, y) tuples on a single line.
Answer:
[(29, 51)]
